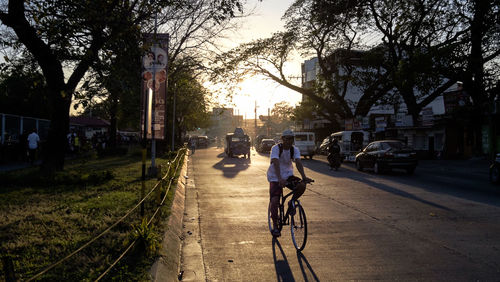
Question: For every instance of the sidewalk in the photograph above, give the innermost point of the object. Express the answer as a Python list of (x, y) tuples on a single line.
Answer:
[(478, 167)]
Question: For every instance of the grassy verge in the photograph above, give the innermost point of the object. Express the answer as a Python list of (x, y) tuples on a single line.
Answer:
[(44, 219)]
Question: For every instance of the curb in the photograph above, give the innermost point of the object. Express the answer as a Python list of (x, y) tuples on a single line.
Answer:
[(167, 265)]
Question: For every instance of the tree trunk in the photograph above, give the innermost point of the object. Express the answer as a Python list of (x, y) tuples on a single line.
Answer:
[(54, 153)]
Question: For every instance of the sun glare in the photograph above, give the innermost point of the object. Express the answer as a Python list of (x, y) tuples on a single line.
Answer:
[(262, 93)]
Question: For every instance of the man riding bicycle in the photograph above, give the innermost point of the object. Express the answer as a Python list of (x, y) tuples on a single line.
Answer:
[(280, 173)]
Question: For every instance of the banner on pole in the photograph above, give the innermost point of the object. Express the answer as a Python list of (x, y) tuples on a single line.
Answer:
[(154, 77)]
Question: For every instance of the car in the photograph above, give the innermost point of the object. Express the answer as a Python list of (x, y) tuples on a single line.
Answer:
[(202, 141), (266, 145), (387, 155)]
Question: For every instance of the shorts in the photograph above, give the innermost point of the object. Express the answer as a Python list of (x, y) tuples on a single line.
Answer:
[(276, 190)]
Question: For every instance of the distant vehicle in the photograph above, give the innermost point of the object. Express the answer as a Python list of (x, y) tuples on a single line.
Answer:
[(305, 141), (258, 140), (386, 155), (237, 143), (265, 145), (202, 141), (495, 170), (351, 142)]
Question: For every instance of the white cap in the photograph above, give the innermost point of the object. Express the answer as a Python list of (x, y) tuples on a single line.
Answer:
[(287, 132)]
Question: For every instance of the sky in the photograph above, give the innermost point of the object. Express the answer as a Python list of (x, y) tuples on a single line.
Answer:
[(265, 20)]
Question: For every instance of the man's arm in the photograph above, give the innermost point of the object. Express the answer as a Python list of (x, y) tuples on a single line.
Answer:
[(300, 168)]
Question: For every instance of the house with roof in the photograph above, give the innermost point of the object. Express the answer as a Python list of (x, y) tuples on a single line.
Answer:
[(88, 126)]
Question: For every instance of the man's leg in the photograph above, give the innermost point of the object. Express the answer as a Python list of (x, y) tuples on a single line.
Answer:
[(299, 190), (275, 202), (274, 193)]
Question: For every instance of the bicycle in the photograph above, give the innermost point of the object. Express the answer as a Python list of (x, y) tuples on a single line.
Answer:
[(296, 220)]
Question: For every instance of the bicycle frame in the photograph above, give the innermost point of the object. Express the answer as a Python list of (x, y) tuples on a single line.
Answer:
[(284, 218)]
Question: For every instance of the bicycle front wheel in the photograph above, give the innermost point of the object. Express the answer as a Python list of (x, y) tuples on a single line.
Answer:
[(298, 227)]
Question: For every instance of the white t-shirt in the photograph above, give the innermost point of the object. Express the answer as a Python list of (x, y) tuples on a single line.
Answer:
[(33, 140), (286, 166)]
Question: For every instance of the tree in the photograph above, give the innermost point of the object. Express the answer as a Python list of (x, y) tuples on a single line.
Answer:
[(193, 31), (68, 36), (328, 30), (22, 91), (281, 116), (64, 36), (191, 109)]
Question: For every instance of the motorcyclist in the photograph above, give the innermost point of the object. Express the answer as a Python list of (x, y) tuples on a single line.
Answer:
[(333, 153)]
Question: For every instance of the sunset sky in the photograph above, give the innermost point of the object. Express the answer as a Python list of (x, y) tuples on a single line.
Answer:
[(265, 21)]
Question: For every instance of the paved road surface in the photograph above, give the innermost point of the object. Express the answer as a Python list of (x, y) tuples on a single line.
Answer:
[(434, 225)]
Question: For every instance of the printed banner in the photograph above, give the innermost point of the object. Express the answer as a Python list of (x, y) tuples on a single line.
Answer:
[(154, 77)]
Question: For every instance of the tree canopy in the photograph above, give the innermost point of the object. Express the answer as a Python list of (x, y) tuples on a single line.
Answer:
[(67, 38)]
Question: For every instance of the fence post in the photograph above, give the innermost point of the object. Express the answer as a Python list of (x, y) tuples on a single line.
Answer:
[(8, 269)]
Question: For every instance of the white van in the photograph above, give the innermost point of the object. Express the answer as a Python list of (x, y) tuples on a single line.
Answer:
[(351, 142), (305, 141)]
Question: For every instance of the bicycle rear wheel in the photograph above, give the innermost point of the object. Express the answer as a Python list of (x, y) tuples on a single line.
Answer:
[(298, 227)]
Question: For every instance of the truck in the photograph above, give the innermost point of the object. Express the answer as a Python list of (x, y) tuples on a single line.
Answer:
[(237, 143)]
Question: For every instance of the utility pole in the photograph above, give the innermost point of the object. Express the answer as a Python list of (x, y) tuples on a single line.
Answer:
[(268, 120), (255, 119)]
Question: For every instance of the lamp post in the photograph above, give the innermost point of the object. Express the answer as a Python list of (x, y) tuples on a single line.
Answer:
[(152, 170), (173, 117)]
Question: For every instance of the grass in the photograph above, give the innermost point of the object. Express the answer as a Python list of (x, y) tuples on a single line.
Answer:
[(44, 219)]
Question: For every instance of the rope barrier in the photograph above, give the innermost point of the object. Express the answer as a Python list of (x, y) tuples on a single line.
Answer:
[(150, 220), (108, 229)]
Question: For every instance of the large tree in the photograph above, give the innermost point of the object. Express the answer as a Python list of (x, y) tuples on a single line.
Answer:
[(66, 37), (193, 30), (329, 31)]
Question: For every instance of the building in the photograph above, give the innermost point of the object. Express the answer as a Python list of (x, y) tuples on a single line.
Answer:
[(384, 121), (89, 126)]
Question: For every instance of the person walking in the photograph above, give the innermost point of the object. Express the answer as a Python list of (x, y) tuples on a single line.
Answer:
[(33, 142)]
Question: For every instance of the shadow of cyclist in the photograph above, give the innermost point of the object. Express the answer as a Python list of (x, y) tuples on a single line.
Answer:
[(283, 270), (302, 260)]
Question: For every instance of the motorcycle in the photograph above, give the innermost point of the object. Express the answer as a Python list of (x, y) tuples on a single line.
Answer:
[(495, 170), (334, 161)]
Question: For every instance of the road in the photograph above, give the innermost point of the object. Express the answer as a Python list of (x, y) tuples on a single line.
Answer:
[(436, 225)]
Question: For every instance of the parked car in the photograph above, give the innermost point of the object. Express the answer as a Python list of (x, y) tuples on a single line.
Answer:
[(202, 141), (386, 155), (265, 145)]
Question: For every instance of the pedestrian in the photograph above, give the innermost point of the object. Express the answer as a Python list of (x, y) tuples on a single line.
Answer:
[(33, 142), (192, 145)]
